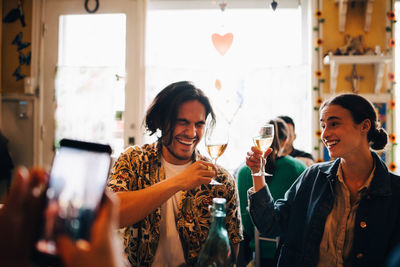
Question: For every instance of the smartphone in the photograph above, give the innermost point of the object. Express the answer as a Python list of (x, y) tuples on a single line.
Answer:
[(76, 186)]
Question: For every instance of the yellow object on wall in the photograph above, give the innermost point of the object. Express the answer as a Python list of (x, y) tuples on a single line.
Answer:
[(333, 39)]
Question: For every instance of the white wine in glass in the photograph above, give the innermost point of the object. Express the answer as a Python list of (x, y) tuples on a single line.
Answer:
[(215, 151), (263, 141), (216, 140)]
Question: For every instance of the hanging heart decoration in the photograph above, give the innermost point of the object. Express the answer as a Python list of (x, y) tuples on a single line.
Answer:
[(222, 42), (218, 85)]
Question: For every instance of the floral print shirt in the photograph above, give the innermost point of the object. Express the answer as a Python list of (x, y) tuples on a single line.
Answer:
[(140, 167)]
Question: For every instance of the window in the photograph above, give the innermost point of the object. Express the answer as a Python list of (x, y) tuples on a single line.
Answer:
[(90, 97), (261, 76)]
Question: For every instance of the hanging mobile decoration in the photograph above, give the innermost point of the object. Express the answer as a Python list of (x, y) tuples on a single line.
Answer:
[(16, 13), (226, 92), (217, 84), (222, 43), (23, 59), (273, 5), (91, 10)]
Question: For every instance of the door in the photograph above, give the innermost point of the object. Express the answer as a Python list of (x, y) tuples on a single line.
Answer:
[(93, 84)]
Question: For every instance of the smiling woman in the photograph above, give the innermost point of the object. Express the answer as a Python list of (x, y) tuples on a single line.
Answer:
[(336, 195)]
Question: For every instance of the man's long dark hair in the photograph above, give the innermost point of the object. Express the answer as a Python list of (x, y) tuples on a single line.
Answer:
[(163, 111)]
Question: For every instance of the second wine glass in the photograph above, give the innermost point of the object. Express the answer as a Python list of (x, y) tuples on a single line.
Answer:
[(263, 141), (216, 140)]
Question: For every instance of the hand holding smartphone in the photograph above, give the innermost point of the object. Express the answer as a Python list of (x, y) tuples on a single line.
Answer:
[(76, 187)]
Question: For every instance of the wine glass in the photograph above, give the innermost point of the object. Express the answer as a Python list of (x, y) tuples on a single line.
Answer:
[(216, 140), (263, 141)]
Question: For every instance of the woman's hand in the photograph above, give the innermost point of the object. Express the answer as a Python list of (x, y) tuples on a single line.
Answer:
[(253, 158), (253, 161)]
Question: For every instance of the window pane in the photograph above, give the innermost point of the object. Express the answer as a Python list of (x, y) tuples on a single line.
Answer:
[(261, 76), (89, 91)]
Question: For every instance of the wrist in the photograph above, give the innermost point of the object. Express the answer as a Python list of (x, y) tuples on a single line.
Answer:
[(259, 182), (176, 183)]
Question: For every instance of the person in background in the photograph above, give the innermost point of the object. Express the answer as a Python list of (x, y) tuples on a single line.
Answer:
[(394, 257), (6, 163), (164, 187), (305, 157), (345, 212), (21, 214), (285, 170)]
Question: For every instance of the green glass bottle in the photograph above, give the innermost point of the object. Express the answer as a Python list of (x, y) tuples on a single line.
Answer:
[(216, 251)]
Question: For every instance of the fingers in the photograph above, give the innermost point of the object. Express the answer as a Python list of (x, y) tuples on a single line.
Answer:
[(200, 172), (108, 217), (207, 169), (206, 165), (269, 151), (66, 248), (256, 153), (19, 189), (113, 209), (256, 150), (34, 203), (38, 181), (101, 245), (254, 157), (25, 185)]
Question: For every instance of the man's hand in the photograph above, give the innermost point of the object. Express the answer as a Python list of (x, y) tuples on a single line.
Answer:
[(200, 172)]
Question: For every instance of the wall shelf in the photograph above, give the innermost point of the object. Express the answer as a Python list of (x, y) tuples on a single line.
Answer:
[(379, 63), (343, 11)]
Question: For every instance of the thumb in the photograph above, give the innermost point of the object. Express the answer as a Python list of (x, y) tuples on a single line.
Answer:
[(268, 152), (108, 217), (19, 188), (66, 248)]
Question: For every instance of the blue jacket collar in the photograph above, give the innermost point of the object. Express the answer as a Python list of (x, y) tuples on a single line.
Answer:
[(380, 184)]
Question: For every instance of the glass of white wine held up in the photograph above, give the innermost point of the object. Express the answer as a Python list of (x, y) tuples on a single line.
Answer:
[(216, 140), (263, 141)]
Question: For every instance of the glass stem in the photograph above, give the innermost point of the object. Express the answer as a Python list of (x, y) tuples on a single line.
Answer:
[(262, 167), (215, 163)]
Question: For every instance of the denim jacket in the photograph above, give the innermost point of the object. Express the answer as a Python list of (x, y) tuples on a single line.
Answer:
[(299, 219)]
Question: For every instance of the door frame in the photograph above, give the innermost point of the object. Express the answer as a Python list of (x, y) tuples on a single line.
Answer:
[(135, 11)]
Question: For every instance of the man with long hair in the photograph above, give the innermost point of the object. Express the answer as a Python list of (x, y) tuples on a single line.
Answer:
[(164, 187)]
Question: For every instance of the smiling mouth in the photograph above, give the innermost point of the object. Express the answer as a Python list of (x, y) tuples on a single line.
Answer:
[(186, 141), (330, 144)]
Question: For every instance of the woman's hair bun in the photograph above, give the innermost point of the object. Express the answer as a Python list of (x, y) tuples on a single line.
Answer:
[(378, 138)]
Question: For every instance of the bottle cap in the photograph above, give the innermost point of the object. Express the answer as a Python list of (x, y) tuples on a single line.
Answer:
[(218, 207)]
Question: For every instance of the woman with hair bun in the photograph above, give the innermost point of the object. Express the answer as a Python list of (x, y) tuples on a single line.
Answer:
[(345, 212)]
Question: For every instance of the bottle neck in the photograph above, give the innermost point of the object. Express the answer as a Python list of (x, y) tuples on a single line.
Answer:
[(218, 213), (218, 221)]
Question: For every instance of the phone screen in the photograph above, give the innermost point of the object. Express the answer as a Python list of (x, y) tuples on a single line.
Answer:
[(77, 180)]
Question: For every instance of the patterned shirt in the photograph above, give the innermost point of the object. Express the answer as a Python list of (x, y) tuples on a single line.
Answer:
[(140, 167)]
